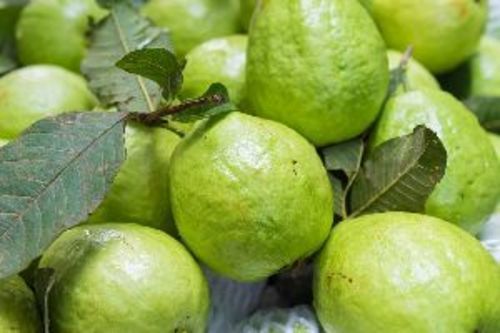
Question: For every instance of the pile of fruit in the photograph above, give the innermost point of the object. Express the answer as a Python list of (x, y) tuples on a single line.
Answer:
[(263, 166)]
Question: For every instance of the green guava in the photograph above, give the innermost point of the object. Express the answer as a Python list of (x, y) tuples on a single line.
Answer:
[(485, 69), (191, 22), (218, 60), (249, 196), (247, 7), (124, 278), (53, 31), (400, 272), (139, 193), (417, 76), (444, 33), (317, 66), (18, 311), (35, 92), (470, 188)]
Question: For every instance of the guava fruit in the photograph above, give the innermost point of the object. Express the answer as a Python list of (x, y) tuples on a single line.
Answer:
[(124, 278), (139, 193), (300, 319), (444, 33), (192, 22), (247, 8), (317, 66), (35, 92), (217, 60), (417, 76), (18, 310), (470, 188), (53, 31), (249, 196), (400, 272), (485, 69)]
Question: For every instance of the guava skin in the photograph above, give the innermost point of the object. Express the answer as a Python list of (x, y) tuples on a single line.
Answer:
[(417, 76), (400, 272), (444, 33), (249, 196), (124, 278), (192, 22), (495, 141), (18, 310), (319, 67), (139, 193), (53, 32), (220, 60), (35, 92), (485, 69), (469, 190)]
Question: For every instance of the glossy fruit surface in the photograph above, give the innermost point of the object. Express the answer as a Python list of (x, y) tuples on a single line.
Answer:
[(249, 196)]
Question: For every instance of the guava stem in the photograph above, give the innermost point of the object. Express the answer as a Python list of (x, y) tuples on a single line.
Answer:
[(156, 118)]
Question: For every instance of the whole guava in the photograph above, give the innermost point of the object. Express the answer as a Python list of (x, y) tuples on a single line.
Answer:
[(317, 66), (470, 188), (400, 272), (247, 8), (139, 193), (124, 278), (191, 22), (54, 31), (18, 310), (443, 33), (220, 60), (35, 92), (417, 76), (249, 196)]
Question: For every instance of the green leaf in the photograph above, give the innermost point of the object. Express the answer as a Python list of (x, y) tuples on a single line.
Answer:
[(400, 174), (52, 178), (158, 65), (487, 110), (205, 106), (45, 279), (120, 33), (343, 161)]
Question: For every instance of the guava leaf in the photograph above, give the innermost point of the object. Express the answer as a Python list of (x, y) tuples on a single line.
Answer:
[(52, 178), (124, 30), (44, 281), (400, 174), (206, 106), (487, 110), (158, 65), (343, 162)]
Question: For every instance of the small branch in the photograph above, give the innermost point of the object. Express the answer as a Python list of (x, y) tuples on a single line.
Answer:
[(406, 57), (156, 118)]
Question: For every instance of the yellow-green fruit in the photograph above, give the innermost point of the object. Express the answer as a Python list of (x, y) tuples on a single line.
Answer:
[(220, 60), (124, 278), (35, 92), (485, 69), (401, 272), (469, 190), (417, 76), (191, 22), (139, 193), (18, 310), (444, 33), (317, 66), (249, 196), (54, 32)]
